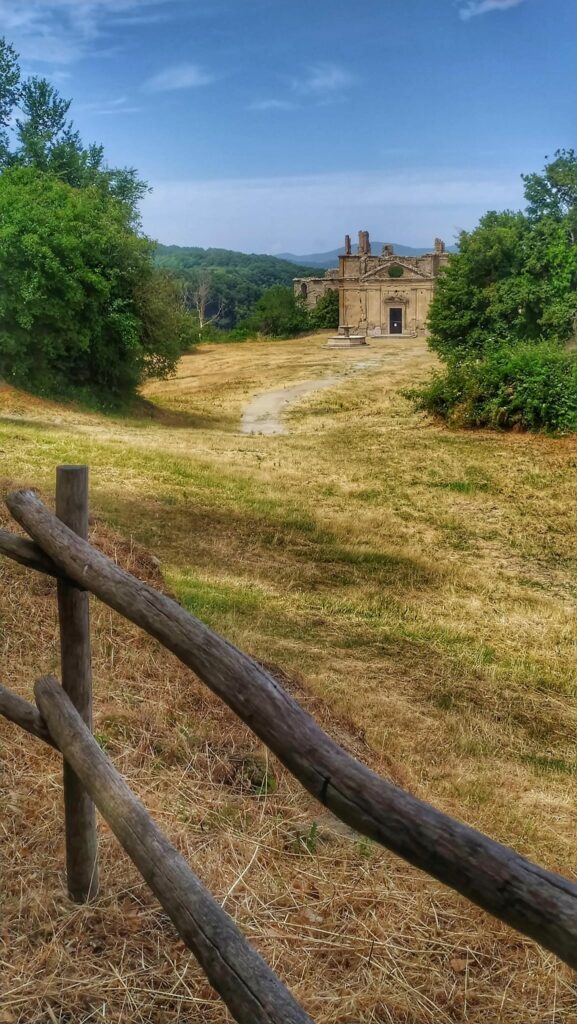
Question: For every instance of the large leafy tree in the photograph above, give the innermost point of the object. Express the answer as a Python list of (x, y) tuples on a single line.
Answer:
[(553, 193), (278, 313), (42, 136), (9, 92), (82, 310), (504, 310), (515, 276)]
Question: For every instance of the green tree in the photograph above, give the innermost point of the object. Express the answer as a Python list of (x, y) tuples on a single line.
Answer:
[(82, 309), (326, 312), (513, 279), (553, 193), (505, 309), (278, 314), (9, 93), (44, 137), (476, 299)]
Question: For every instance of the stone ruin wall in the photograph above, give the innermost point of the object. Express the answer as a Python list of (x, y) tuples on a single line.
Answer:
[(311, 289), (365, 302)]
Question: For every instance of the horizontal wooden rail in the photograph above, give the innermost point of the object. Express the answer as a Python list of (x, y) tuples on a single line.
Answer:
[(22, 713), (537, 902), (252, 992), (27, 553)]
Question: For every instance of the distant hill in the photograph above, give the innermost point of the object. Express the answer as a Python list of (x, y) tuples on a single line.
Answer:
[(324, 260), (236, 279), (268, 269)]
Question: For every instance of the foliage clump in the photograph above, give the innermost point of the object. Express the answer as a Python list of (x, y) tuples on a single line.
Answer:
[(279, 313), (325, 314), (527, 386), (504, 313), (84, 313)]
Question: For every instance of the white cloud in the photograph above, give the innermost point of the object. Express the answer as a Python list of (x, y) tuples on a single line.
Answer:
[(180, 76), (322, 80), (118, 105), (309, 213), (61, 31), (320, 83), (472, 8), (271, 104)]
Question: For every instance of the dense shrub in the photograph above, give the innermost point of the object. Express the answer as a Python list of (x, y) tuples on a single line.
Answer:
[(530, 386), (325, 314), (277, 314), (505, 307), (83, 312)]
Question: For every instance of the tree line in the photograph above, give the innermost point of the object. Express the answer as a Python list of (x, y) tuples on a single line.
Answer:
[(504, 315)]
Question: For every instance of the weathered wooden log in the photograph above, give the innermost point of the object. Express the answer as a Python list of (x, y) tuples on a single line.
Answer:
[(537, 902), (27, 553), (20, 711), (74, 622), (252, 992)]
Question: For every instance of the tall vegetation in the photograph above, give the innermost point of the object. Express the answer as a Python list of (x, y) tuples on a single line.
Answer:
[(83, 310), (504, 314)]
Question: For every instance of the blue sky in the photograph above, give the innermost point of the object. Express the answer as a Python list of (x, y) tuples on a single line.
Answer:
[(268, 125)]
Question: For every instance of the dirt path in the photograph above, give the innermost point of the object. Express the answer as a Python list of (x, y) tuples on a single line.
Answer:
[(263, 414)]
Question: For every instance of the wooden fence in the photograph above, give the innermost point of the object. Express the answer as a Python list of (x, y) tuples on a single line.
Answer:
[(534, 901)]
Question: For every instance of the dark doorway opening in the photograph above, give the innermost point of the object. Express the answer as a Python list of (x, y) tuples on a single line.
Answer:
[(395, 321)]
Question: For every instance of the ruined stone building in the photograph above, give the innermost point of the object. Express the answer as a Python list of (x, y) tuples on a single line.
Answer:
[(379, 295)]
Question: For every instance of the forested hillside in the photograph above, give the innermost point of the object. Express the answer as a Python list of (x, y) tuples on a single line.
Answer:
[(223, 286)]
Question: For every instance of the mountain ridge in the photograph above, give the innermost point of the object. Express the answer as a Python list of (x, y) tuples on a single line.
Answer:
[(326, 260)]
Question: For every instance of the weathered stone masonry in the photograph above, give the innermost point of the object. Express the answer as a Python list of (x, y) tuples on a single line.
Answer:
[(384, 295)]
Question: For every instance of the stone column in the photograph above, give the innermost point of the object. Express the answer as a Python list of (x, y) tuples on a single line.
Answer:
[(364, 244)]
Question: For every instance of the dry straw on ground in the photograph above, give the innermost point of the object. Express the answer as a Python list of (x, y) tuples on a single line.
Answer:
[(412, 586)]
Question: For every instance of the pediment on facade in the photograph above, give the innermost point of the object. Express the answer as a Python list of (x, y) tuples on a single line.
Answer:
[(380, 272)]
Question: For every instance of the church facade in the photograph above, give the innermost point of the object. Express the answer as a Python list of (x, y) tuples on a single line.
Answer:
[(379, 295)]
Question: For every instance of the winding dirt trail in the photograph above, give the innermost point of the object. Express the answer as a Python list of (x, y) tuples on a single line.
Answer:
[(263, 414)]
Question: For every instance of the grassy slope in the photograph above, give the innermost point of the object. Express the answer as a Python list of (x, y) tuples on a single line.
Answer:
[(415, 585)]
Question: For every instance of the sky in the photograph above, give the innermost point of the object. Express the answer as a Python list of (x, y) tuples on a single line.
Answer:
[(281, 125)]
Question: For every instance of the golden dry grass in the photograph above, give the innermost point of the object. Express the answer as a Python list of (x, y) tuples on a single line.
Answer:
[(413, 586)]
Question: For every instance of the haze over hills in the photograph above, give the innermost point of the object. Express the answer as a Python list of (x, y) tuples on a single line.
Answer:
[(324, 260)]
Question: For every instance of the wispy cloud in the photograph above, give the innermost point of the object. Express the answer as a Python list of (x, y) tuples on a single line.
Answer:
[(323, 80), (179, 76), (271, 104), (317, 84), (62, 31), (118, 105), (472, 8)]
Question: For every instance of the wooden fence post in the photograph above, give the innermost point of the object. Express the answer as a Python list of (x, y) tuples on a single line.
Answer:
[(74, 620)]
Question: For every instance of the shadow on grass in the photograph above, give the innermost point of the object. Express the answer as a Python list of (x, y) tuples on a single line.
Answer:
[(178, 419), (250, 535)]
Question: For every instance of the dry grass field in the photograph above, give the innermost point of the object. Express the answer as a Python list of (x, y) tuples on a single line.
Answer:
[(413, 586)]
